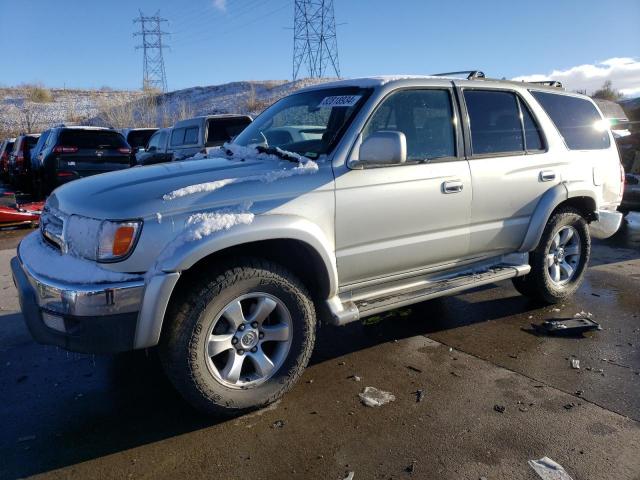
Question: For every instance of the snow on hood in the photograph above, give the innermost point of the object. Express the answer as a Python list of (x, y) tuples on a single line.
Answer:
[(202, 225), (48, 262), (304, 166)]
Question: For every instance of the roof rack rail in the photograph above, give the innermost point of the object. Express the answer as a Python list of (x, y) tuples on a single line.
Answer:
[(549, 83), (471, 74)]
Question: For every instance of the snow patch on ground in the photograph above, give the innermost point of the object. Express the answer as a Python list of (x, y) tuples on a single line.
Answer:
[(48, 262), (304, 166)]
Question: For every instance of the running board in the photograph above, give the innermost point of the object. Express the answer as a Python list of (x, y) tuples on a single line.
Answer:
[(344, 312)]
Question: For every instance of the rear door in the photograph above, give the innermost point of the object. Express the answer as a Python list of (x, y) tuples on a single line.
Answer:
[(411, 216), (510, 168), (185, 142), (89, 152)]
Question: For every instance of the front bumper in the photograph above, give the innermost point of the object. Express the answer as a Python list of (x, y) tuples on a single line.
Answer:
[(84, 318), (606, 225)]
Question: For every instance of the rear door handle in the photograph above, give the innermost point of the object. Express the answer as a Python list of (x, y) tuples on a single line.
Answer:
[(452, 186), (547, 175)]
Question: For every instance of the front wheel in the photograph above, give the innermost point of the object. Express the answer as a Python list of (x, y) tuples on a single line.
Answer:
[(559, 262), (240, 338)]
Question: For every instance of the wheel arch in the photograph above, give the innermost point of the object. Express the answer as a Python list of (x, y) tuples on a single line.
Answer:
[(553, 199), (296, 244)]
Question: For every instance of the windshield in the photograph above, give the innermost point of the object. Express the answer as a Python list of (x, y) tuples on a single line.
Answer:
[(309, 123)]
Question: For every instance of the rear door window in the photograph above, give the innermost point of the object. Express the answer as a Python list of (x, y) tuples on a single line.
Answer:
[(177, 137), (494, 120), (223, 130), (532, 133), (577, 120), (92, 139)]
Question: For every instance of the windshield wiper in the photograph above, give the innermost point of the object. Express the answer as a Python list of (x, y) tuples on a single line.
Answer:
[(278, 152)]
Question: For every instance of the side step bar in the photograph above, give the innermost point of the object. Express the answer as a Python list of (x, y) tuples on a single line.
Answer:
[(346, 312)]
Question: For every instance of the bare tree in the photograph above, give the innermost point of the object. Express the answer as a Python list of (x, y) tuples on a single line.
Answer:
[(607, 92)]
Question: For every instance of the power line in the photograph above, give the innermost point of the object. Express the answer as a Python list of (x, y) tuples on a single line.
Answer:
[(153, 72), (315, 42)]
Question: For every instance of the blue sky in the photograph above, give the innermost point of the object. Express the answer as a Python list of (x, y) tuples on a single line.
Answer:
[(89, 43)]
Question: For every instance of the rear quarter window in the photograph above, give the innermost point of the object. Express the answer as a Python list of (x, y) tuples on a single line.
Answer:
[(577, 120)]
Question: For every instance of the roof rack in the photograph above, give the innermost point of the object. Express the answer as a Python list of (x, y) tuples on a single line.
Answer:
[(549, 83), (471, 74)]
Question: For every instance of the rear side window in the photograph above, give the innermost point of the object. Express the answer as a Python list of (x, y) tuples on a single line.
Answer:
[(222, 130), (191, 135), (102, 139), (139, 138), (576, 119), (494, 118)]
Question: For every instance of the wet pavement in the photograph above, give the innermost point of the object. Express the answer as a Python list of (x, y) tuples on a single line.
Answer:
[(67, 415)]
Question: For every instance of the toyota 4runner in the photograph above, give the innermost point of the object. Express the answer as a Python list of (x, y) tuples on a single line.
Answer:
[(340, 201)]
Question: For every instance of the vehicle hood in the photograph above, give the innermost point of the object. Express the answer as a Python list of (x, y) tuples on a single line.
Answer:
[(141, 192)]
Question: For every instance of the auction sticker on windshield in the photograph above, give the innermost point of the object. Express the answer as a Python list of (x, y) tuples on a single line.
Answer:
[(339, 101)]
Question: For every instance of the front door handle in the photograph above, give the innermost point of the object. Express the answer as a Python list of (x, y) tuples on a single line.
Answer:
[(452, 186), (547, 175)]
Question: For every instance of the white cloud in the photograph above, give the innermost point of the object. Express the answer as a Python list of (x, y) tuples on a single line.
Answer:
[(220, 5), (623, 72)]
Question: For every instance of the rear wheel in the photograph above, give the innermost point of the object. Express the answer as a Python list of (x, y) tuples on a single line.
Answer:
[(559, 262), (239, 339)]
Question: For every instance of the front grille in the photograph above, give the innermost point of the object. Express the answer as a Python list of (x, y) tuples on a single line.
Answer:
[(52, 228)]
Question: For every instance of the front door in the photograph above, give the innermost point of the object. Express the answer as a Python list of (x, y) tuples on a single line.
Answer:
[(406, 217)]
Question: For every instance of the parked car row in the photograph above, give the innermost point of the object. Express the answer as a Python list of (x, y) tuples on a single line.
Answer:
[(40, 162)]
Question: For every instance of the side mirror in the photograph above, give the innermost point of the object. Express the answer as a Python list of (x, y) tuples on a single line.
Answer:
[(384, 148)]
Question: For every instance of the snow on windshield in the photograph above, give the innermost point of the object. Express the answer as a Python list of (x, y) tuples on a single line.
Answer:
[(286, 169)]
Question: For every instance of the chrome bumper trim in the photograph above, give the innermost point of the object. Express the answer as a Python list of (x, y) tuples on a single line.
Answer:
[(85, 300)]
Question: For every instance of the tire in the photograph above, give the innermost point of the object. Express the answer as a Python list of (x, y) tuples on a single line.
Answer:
[(549, 280), (207, 308)]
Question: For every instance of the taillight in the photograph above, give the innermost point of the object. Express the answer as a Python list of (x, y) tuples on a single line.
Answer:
[(65, 174), (63, 149), (124, 150)]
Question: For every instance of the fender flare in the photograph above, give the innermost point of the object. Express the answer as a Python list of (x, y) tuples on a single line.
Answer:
[(182, 256), (547, 204)]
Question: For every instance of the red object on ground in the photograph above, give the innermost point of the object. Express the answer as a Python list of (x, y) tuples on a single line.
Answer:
[(14, 214)]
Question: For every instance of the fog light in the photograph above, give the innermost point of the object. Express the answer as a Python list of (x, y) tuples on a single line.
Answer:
[(54, 321)]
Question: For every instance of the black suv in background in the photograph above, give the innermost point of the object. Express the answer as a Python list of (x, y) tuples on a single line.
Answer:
[(5, 150), (75, 152)]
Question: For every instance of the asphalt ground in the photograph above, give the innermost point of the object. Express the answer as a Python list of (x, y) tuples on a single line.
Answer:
[(494, 395)]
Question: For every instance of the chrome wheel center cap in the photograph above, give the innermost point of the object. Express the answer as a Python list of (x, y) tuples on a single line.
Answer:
[(249, 339), (560, 254)]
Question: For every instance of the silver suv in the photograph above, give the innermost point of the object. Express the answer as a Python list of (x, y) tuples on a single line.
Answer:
[(340, 201)]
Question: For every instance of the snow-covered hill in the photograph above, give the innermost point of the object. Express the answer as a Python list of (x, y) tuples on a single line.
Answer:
[(133, 108)]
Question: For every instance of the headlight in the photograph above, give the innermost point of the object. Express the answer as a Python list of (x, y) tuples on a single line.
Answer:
[(116, 239), (101, 240)]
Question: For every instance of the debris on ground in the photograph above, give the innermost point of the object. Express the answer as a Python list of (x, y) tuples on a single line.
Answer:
[(569, 406), (278, 424), (575, 363), (372, 397), (411, 468), (349, 476), (575, 326), (355, 378), (499, 408), (419, 395), (547, 469), (414, 369), (455, 374)]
